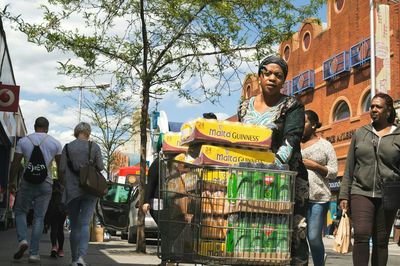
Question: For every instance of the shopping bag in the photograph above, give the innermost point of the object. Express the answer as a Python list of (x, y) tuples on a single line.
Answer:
[(342, 242), (92, 181)]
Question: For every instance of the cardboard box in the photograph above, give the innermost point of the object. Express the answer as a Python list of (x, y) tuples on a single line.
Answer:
[(172, 143), (226, 133), (214, 228), (224, 156)]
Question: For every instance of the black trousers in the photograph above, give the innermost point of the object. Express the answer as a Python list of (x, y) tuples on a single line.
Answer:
[(57, 229), (369, 219)]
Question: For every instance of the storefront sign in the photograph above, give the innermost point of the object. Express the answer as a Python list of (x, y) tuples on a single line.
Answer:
[(341, 137), (9, 98)]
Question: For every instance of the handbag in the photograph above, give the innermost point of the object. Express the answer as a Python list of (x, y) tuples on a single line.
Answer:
[(342, 242), (391, 195), (90, 178), (390, 189)]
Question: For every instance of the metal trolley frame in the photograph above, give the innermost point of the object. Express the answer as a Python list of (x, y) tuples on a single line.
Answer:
[(216, 215)]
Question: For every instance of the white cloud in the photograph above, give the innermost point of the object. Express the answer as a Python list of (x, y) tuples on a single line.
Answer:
[(62, 121)]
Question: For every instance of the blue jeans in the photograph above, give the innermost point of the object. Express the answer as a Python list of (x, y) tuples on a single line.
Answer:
[(36, 196), (80, 211), (316, 218)]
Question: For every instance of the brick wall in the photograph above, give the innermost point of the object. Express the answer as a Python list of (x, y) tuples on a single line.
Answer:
[(344, 29)]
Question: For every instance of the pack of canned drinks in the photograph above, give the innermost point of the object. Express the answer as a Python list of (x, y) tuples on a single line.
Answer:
[(238, 214)]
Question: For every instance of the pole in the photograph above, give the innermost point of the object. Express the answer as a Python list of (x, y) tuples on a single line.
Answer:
[(80, 104), (372, 43)]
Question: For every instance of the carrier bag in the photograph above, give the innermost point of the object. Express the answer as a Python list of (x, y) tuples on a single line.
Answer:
[(342, 242)]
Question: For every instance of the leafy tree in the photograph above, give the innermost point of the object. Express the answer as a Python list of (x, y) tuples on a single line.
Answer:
[(112, 112), (162, 45)]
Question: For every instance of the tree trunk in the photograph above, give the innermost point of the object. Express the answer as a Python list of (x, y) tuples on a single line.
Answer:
[(141, 240)]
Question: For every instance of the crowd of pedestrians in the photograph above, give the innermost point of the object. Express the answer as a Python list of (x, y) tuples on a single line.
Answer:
[(373, 157), (52, 199)]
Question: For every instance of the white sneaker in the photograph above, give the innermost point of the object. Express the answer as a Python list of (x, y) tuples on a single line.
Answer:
[(22, 247), (34, 258), (74, 263), (81, 262)]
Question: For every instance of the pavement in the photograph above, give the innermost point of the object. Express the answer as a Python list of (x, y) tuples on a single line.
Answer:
[(120, 252)]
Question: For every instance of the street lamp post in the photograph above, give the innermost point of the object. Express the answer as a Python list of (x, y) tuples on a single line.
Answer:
[(81, 87)]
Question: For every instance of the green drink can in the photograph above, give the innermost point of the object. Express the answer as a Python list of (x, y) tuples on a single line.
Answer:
[(242, 236), (269, 186), (282, 236), (232, 187), (257, 233), (283, 187), (269, 242), (244, 185), (231, 232), (258, 186)]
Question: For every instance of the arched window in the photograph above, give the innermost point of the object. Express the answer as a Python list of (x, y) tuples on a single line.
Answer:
[(342, 111), (306, 40), (339, 5), (286, 53), (366, 103), (248, 91)]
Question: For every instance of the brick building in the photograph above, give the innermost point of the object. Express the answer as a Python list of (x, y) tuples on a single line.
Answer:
[(329, 68)]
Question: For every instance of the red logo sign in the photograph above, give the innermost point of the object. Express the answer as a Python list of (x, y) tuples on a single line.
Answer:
[(9, 98)]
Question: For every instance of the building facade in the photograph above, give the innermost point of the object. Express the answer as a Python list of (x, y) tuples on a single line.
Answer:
[(12, 127), (330, 67)]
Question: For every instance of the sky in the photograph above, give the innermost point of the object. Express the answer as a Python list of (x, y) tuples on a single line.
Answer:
[(35, 71)]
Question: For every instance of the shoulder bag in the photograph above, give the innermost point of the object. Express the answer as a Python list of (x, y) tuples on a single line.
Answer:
[(90, 178), (390, 189)]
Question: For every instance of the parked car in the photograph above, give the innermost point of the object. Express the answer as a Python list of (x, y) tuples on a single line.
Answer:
[(117, 211)]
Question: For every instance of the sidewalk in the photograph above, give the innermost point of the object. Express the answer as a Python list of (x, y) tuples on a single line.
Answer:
[(120, 252), (114, 252)]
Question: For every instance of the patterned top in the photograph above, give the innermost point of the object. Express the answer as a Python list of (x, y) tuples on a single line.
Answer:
[(323, 153), (286, 119), (268, 119)]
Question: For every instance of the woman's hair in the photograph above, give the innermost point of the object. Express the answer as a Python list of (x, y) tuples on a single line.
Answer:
[(82, 127), (313, 118), (273, 59), (389, 105)]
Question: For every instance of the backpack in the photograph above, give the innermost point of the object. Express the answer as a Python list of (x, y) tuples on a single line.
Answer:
[(36, 169)]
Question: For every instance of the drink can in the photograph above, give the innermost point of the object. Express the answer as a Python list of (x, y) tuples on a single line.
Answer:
[(232, 187), (231, 232), (269, 242), (283, 187), (282, 236), (242, 235), (258, 186), (269, 186), (257, 234), (244, 185)]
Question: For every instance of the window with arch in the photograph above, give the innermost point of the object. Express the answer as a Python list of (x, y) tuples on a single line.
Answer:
[(248, 91), (339, 5), (342, 111), (366, 102), (306, 40), (286, 53)]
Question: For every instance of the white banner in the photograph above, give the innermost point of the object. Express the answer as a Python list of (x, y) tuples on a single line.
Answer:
[(382, 40)]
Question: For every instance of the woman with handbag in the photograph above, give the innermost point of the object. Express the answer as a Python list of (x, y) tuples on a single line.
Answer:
[(373, 160), (76, 155)]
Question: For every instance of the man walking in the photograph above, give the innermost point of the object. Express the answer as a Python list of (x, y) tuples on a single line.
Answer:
[(39, 150)]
